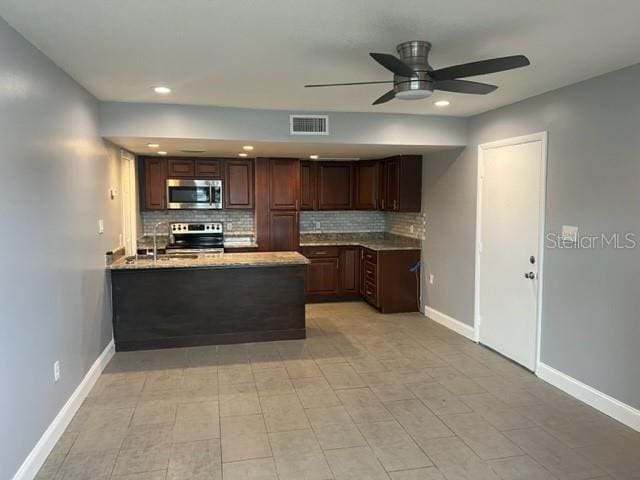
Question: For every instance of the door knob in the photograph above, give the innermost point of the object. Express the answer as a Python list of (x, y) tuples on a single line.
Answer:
[(530, 275)]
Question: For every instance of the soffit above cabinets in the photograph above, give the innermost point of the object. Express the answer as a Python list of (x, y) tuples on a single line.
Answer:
[(180, 147)]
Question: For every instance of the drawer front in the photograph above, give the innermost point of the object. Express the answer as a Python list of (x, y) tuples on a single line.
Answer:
[(370, 272), (371, 293), (320, 252), (370, 255)]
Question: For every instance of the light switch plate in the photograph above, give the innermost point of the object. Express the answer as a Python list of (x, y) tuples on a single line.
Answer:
[(100, 226), (569, 233)]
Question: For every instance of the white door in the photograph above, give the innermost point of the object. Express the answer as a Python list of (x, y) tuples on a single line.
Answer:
[(511, 192)]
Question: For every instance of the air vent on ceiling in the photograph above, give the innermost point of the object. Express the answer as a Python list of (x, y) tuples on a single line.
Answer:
[(308, 124)]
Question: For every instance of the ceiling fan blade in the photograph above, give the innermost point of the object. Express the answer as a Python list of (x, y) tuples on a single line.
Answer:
[(390, 95), (480, 68), (465, 86), (344, 84), (393, 64)]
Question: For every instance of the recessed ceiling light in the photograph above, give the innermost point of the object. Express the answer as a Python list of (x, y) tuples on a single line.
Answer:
[(162, 152), (153, 145), (162, 90), (242, 154), (442, 103), (313, 157), (248, 148)]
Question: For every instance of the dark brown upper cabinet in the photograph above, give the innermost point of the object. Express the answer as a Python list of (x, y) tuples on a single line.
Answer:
[(334, 185), (366, 185), (308, 186), (181, 168), (284, 230), (401, 183), (208, 168), (153, 183), (238, 184), (284, 183)]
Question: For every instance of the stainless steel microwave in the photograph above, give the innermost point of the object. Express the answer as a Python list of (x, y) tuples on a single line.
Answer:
[(189, 194)]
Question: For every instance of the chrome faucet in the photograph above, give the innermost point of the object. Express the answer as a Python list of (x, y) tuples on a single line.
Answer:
[(155, 238)]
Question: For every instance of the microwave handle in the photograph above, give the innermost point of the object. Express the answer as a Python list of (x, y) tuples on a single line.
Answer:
[(211, 195)]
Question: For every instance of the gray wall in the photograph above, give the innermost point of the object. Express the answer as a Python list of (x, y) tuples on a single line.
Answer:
[(590, 327), (53, 290), (221, 123)]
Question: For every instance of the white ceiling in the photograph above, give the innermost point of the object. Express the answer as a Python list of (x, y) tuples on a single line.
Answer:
[(230, 148), (259, 54)]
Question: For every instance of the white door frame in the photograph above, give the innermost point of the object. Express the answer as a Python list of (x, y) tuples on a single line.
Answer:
[(129, 209), (534, 137)]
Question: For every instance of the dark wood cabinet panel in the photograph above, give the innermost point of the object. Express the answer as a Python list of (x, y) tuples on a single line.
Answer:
[(322, 276), (397, 287), (308, 186), (154, 183), (238, 184), (410, 192), (390, 184), (366, 185), (349, 270), (208, 168), (334, 186), (181, 167), (284, 183), (284, 230), (401, 183)]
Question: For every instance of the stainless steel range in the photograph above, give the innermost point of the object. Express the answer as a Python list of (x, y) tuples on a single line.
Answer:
[(196, 237)]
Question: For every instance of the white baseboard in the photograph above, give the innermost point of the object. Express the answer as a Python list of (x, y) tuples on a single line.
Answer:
[(622, 412), (449, 322), (40, 452)]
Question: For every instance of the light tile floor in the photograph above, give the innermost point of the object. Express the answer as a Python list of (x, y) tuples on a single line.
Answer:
[(365, 396)]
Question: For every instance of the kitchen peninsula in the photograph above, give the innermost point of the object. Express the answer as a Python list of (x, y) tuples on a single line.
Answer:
[(188, 300)]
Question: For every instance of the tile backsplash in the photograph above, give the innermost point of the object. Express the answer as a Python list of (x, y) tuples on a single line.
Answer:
[(341, 221), (242, 221), (363, 221), (406, 224), (235, 221)]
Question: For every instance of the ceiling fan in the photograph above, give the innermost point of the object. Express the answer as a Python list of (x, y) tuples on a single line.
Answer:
[(414, 78)]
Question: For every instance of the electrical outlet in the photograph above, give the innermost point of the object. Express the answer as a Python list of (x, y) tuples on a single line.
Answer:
[(317, 225), (229, 226), (113, 193), (56, 370), (431, 278), (411, 229), (100, 226)]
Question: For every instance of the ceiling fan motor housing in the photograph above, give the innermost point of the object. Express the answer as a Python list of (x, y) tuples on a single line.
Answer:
[(414, 53)]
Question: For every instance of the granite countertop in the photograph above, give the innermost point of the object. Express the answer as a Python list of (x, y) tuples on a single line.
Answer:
[(220, 260), (372, 241)]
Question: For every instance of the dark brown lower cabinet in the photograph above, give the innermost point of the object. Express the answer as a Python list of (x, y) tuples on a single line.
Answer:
[(382, 278), (322, 276), (349, 270)]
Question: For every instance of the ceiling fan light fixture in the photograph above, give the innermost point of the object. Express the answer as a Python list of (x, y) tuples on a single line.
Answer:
[(413, 94)]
